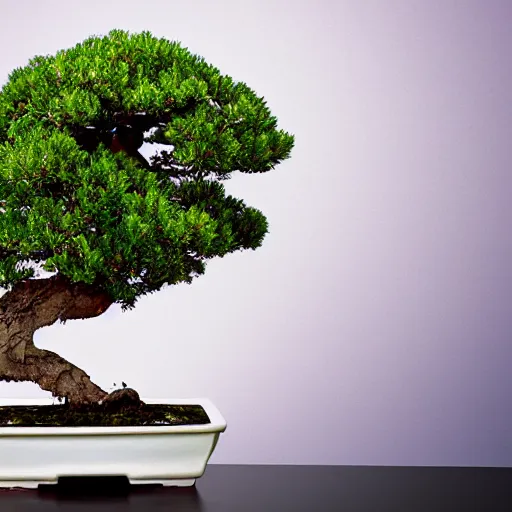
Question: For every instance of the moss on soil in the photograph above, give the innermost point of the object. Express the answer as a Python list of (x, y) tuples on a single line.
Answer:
[(64, 415)]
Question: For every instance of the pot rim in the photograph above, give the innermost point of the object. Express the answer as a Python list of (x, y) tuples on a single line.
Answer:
[(217, 422)]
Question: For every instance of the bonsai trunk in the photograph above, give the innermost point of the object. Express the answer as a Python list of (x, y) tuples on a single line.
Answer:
[(33, 304)]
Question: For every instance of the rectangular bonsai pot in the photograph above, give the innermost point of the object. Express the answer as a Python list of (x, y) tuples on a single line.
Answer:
[(168, 455)]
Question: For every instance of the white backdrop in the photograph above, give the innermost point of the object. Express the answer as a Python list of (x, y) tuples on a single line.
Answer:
[(373, 326)]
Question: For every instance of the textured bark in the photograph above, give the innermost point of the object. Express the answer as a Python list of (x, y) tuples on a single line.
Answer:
[(36, 303)]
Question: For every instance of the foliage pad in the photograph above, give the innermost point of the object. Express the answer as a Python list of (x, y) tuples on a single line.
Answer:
[(103, 218)]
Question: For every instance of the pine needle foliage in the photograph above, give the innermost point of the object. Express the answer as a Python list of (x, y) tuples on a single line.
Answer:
[(100, 217)]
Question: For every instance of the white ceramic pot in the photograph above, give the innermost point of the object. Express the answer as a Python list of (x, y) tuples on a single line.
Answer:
[(170, 455)]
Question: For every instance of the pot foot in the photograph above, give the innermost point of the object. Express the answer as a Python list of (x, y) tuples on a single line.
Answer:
[(33, 484)]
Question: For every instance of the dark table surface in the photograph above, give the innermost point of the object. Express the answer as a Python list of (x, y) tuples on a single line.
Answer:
[(243, 488)]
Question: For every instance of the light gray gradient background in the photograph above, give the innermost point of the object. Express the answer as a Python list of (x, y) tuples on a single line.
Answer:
[(373, 325)]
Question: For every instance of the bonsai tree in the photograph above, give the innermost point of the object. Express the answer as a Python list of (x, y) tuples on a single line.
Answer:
[(78, 200)]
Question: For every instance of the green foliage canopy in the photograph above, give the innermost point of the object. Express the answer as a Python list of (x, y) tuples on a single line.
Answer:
[(100, 217)]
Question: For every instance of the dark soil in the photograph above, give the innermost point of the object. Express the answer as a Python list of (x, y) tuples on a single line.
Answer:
[(122, 408), (99, 415)]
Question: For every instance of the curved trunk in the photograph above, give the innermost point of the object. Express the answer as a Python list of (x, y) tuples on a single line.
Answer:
[(36, 303)]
